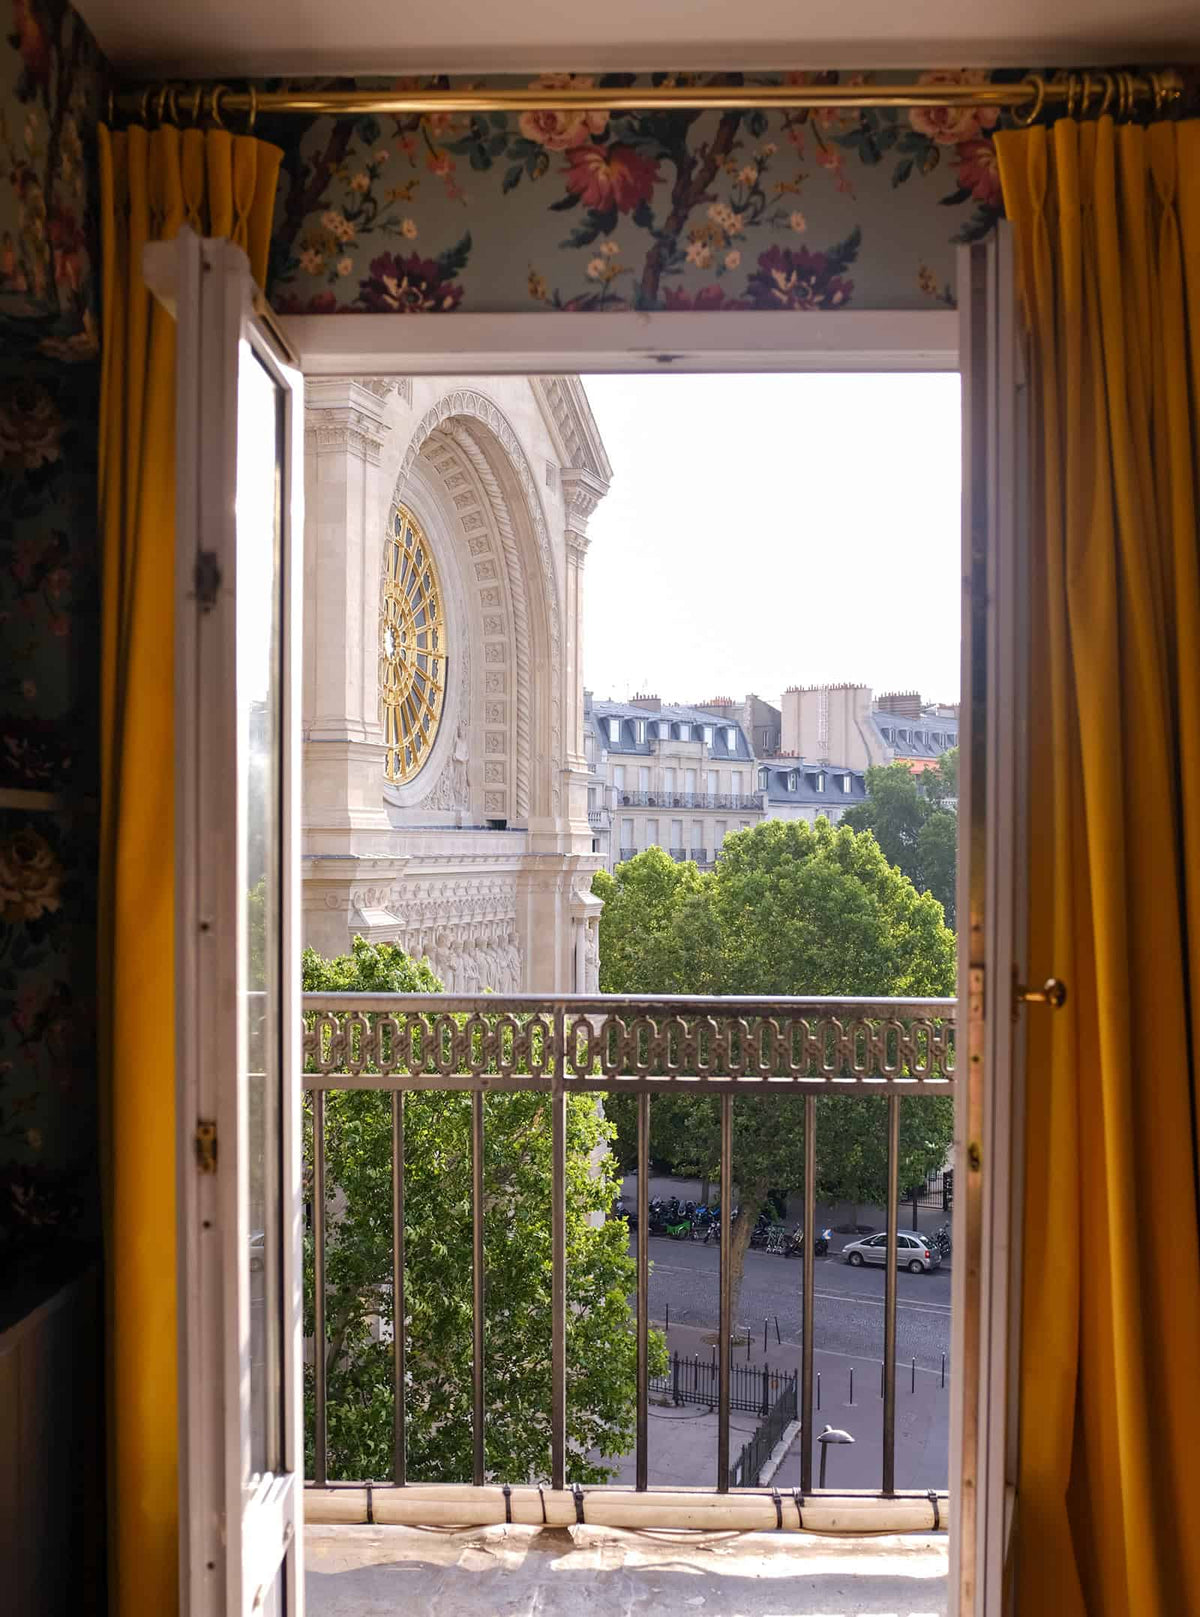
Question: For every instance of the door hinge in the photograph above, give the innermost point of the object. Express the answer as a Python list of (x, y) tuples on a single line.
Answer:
[(206, 1146), (207, 578)]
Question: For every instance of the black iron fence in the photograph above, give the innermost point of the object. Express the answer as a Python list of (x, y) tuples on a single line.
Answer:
[(696, 1380), (775, 1422)]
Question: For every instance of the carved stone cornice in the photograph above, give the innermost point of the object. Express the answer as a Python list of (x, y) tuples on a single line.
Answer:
[(345, 417)]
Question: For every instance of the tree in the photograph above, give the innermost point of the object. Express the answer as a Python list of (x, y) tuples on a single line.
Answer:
[(601, 1346), (914, 818), (789, 909), (657, 931)]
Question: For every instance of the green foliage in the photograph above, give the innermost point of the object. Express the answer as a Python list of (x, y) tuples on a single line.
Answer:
[(914, 819), (601, 1348), (789, 909)]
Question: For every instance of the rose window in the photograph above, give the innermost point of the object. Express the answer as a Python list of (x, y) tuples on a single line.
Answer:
[(412, 648)]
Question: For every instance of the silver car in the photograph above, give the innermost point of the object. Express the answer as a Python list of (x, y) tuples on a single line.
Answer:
[(914, 1252)]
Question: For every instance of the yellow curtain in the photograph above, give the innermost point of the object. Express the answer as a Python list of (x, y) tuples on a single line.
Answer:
[(1107, 230), (151, 183)]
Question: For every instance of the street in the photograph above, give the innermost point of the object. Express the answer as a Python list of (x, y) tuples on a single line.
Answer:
[(849, 1302)]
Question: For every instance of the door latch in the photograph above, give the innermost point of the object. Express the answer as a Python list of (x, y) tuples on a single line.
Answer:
[(206, 1146), (207, 579), (1052, 993)]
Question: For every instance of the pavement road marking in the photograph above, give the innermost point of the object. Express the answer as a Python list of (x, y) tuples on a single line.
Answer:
[(834, 1296)]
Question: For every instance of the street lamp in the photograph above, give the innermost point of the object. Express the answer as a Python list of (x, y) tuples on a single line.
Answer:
[(831, 1434)]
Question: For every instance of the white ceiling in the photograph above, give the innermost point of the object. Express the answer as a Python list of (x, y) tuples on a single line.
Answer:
[(259, 38)]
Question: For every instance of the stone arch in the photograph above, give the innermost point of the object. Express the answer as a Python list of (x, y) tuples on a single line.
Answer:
[(473, 449)]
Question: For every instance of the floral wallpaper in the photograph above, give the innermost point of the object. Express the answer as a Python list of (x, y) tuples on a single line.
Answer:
[(626, 210), (51, 82)]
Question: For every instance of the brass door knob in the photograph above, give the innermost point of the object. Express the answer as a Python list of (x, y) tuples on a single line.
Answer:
[(1052, 993)]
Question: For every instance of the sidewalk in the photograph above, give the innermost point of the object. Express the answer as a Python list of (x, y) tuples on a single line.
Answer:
[(683, 1441)]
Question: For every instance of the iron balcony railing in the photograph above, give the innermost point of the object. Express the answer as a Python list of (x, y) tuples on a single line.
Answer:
[(626, 854), (689, 800), (571, 1045)]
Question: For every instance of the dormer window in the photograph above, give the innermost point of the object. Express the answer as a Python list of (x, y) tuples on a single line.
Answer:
[(664, 729), (708, 735), (731, 739), (685, 732), (845, 783), (639, 729), (820, 783), (793, 780), (614, 732), (763, 780)]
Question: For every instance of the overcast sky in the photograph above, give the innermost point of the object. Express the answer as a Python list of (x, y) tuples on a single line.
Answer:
[(766, 531)]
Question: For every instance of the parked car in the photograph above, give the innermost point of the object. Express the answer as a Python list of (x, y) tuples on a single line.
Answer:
[(914, 1251)]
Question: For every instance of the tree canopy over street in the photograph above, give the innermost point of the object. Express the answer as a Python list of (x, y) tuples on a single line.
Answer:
[(601, 1348), (788, 909)]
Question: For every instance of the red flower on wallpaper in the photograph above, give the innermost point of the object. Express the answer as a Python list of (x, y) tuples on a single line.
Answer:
[(610, 177), (708, 297), (319, 303), (979, 172), (31, 41), (412, 285), (790, 278)]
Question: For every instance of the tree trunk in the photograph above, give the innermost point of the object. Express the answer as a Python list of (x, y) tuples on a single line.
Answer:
[(739, 1245), (704, 1184)]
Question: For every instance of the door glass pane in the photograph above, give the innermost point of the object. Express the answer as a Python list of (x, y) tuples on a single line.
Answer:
[(258, 585)]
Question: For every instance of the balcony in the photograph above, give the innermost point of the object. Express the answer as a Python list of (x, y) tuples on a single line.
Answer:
[(678, 854), (627, 854), (689, 800), (595, 816), (468, 1049)]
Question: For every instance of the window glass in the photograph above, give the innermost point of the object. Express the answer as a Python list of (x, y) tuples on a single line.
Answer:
[(619, 777), (651, 833)]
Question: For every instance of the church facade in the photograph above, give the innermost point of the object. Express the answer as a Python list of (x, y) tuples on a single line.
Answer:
[(445, 787)]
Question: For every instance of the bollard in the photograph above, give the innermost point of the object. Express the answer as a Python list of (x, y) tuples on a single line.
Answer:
[(675, 1398), (852, 1386), (668, 1324), (818, 1389), (778, 1338), (881, 1381), (766, 1322), (747, 1344), (913, 1388), (943, 1369)]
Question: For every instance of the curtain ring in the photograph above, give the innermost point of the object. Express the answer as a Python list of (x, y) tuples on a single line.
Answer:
[(1159, 92), (1085, 94), (173, 104), (195, 108), (161, 106), (253, 113), (144, 107), (1124, 97), (214, 106), (1110, 89), (1038, 85)]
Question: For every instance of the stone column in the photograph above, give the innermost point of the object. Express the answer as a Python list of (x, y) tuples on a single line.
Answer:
[(345, 512), (582, 492)]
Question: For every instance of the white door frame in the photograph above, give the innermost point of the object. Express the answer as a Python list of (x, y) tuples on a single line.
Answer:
[(864, 341)]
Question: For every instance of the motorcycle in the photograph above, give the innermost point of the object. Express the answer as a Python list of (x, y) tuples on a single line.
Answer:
[(941, 1239), (795, 1246)]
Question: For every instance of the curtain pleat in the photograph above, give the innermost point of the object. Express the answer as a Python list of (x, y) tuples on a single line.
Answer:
[(150, 184), (1107, 230)]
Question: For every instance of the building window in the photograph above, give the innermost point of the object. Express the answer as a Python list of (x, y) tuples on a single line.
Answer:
[(619, 777), (677, 833), (845, 783), (821, 783), (714, 782), (412, 649), (764, 780), (652, 833), (639, 730), (697, 834), (708, 735), (614, 732), (719, 833), (593, 801), (793, 780), (627, 833), (685, 732), (731, 740), (689, 781), (664, 729), (643, 778), (736, 780)]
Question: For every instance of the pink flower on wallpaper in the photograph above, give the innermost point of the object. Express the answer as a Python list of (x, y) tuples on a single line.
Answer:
[(610, 177), (559, 128), (949, 126), (979, 172)]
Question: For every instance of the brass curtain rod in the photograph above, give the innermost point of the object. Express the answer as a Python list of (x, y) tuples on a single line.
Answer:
[(1075, 92)]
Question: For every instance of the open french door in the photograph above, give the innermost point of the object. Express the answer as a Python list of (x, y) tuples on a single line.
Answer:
[(238, 527), (991, 910)]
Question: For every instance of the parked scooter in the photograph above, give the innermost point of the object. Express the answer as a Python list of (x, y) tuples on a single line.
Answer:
[(941, 1239), (795, 1246)]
